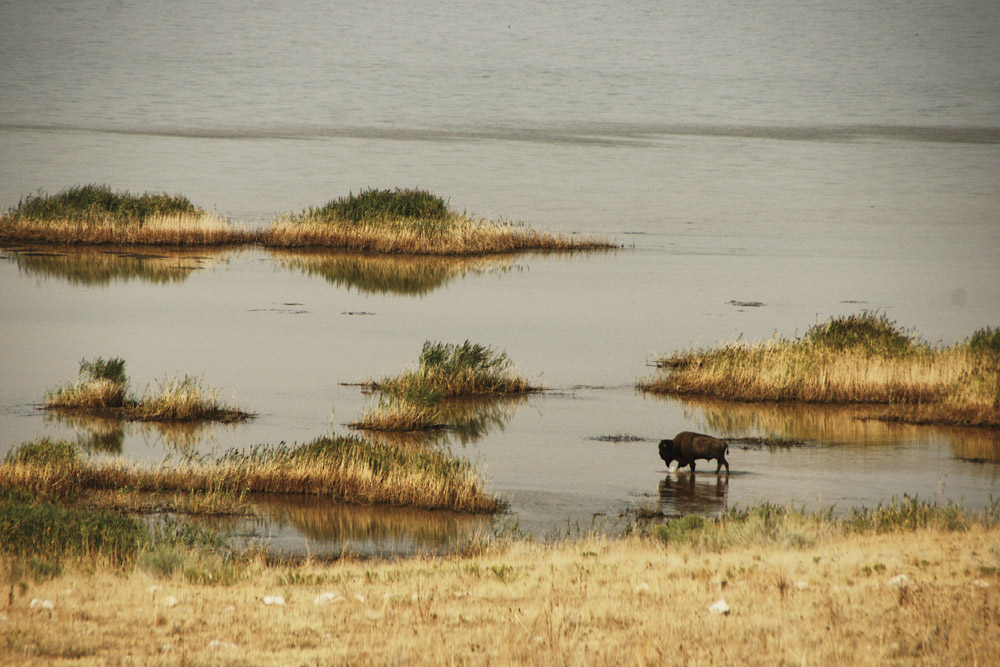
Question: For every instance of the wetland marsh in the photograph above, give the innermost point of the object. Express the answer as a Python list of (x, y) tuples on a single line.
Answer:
[(296, 346)]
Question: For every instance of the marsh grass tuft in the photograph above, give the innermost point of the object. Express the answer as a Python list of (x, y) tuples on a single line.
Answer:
[(447, 370), (430, 396), (985, 341), (102, 388), (859, 359), (869, 333)]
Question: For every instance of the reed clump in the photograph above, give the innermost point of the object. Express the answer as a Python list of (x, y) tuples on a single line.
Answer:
[(101, 388), (411, 222), (449, 370), (337, 468), (861, 359), (446, 374)]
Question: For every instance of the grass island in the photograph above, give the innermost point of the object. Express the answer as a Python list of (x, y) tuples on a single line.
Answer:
[(436, 393), (860, 359), (102, 389), (400, 221)]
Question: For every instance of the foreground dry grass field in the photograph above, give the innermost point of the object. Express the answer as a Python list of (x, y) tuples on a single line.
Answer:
[(587, 601)]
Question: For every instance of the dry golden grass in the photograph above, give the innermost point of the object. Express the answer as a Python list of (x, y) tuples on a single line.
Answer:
[(176, 400), (951, 385), (344, 469), (202, 229), (459, 235), (588, 601), (392, 414)]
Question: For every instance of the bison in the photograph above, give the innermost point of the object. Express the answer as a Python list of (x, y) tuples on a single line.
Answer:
[(687, 446)]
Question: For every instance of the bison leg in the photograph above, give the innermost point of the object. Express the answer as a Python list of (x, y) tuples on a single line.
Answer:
[(722, 462), (692, 466)]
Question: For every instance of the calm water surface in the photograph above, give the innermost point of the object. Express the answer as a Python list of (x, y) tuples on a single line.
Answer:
[(820, 161)]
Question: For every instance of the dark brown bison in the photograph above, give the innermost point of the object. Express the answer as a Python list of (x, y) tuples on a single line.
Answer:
[(687, 446)]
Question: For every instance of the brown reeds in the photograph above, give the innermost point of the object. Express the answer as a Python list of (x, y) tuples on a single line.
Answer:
[(912, 382)]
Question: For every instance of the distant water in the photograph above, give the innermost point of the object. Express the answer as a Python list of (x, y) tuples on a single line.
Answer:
[(94, 90)]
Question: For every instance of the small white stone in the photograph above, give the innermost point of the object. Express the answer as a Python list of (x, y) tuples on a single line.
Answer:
[(170, 601), (719, 607), (899, 581), (641, 588), (979, 583), (274, 599), (38, 603), (360, 598), (801, 585), (324, 598), (215, 643), (153, 589)]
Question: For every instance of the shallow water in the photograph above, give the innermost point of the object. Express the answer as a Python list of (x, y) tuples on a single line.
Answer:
[(285, 335), (816, 160)]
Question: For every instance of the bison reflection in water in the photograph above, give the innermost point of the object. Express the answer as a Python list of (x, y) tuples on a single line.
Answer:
[(686, 447), (682, 495)]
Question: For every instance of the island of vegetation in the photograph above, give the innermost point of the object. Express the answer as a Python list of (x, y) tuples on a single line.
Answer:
[(343, 469), (447, 377), (102, 389), (863, 359), (407, 221)]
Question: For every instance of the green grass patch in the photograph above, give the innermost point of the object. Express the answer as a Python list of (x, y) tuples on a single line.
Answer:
[(447, 370), (100, 203), (871, 333), (382, 205), (985, 341), (785, 525), (30, 527)]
